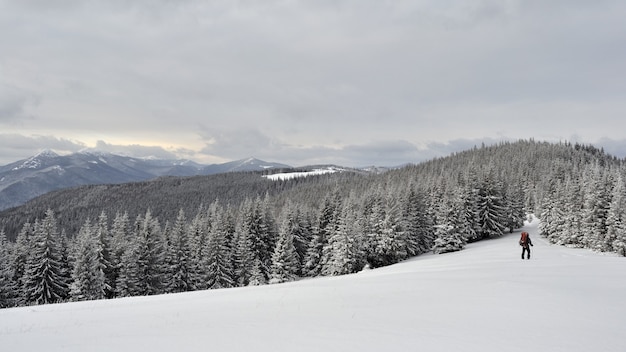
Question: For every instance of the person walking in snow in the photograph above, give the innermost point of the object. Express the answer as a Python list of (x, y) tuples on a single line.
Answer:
[(526, 243)]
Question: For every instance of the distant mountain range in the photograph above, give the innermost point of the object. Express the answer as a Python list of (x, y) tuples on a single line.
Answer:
[(47, 171)]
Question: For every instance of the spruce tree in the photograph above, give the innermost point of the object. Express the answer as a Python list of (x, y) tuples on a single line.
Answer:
[(343, 245), (150, 256), (143, 263), (8, 287), (45, 279), (105, 254), (285, 262), (326, 225), (198, 238), (491, 212), (178, 261), (616, 226), (218, 260), (19, 257), (452, 231), (88, 277)]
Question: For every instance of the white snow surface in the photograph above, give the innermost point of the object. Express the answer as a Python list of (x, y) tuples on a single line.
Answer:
[(290, 175), (484, 298)]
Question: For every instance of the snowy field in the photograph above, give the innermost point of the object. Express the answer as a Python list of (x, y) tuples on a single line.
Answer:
[(291, 175), (484, 298)]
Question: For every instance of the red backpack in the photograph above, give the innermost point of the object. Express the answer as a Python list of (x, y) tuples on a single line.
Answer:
[(524, 240)]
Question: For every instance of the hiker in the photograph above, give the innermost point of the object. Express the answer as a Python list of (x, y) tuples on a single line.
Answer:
[(525, 242)]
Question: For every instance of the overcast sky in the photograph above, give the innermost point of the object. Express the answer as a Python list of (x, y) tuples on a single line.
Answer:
[(354, 83)]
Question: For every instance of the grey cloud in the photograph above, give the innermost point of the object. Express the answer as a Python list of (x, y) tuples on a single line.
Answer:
[(15, 103), (14, 146), (236, 143), (291, 79), (135, 150)]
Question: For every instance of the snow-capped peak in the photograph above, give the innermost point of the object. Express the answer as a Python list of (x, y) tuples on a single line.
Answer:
[(35, 162), (45, 153)]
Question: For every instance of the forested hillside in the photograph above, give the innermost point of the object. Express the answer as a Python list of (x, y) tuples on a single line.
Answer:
[(181, 234)]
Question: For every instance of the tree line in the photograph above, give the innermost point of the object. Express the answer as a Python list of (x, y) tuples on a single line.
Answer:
[(326, 225), (256, 243)]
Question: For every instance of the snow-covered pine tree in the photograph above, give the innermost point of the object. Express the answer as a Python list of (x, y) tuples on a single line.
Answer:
[(616, 226), (596, 206), (150, 256), (491, 212), (45, 280), (21, 251), (452, 232), (300, 228), (419, 232), (177, 258), (120, 233), (143, 263), (198, 238), (88, 278), (125, 285), (569, 216), (514, 207), (8, 287), (105, 254), (242, 259), (326, 224), (254, 221), (552, 224), (285, 261), (218, 260), (387, 240), (345, 256)]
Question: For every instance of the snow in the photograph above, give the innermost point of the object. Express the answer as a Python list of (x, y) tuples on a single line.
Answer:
[(484, 298), (290, 175)]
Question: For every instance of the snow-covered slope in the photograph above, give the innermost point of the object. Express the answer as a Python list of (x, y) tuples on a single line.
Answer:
[(484, 298), (296, 174)]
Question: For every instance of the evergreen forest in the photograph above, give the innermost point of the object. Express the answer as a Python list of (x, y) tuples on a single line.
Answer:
[(182, 234)]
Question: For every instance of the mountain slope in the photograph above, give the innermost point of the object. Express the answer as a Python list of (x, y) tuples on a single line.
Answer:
[(481, 299), (48, 171)]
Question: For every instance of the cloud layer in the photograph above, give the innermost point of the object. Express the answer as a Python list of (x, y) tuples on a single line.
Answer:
[(353, 82)]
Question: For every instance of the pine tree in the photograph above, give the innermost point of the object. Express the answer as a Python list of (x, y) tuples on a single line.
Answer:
[(88, 277), (491, 212), (242, 259), (142, 264), (150, 258), (419, 235), (259, 234), (8, 287), (345, 255), (299, 227), (285, 262), (326, 225), (21, 252), (452, 232), (105, 254), (45, 280), (120, 233), (198, 238), (616, 226), (218, 260), (179, 268)]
